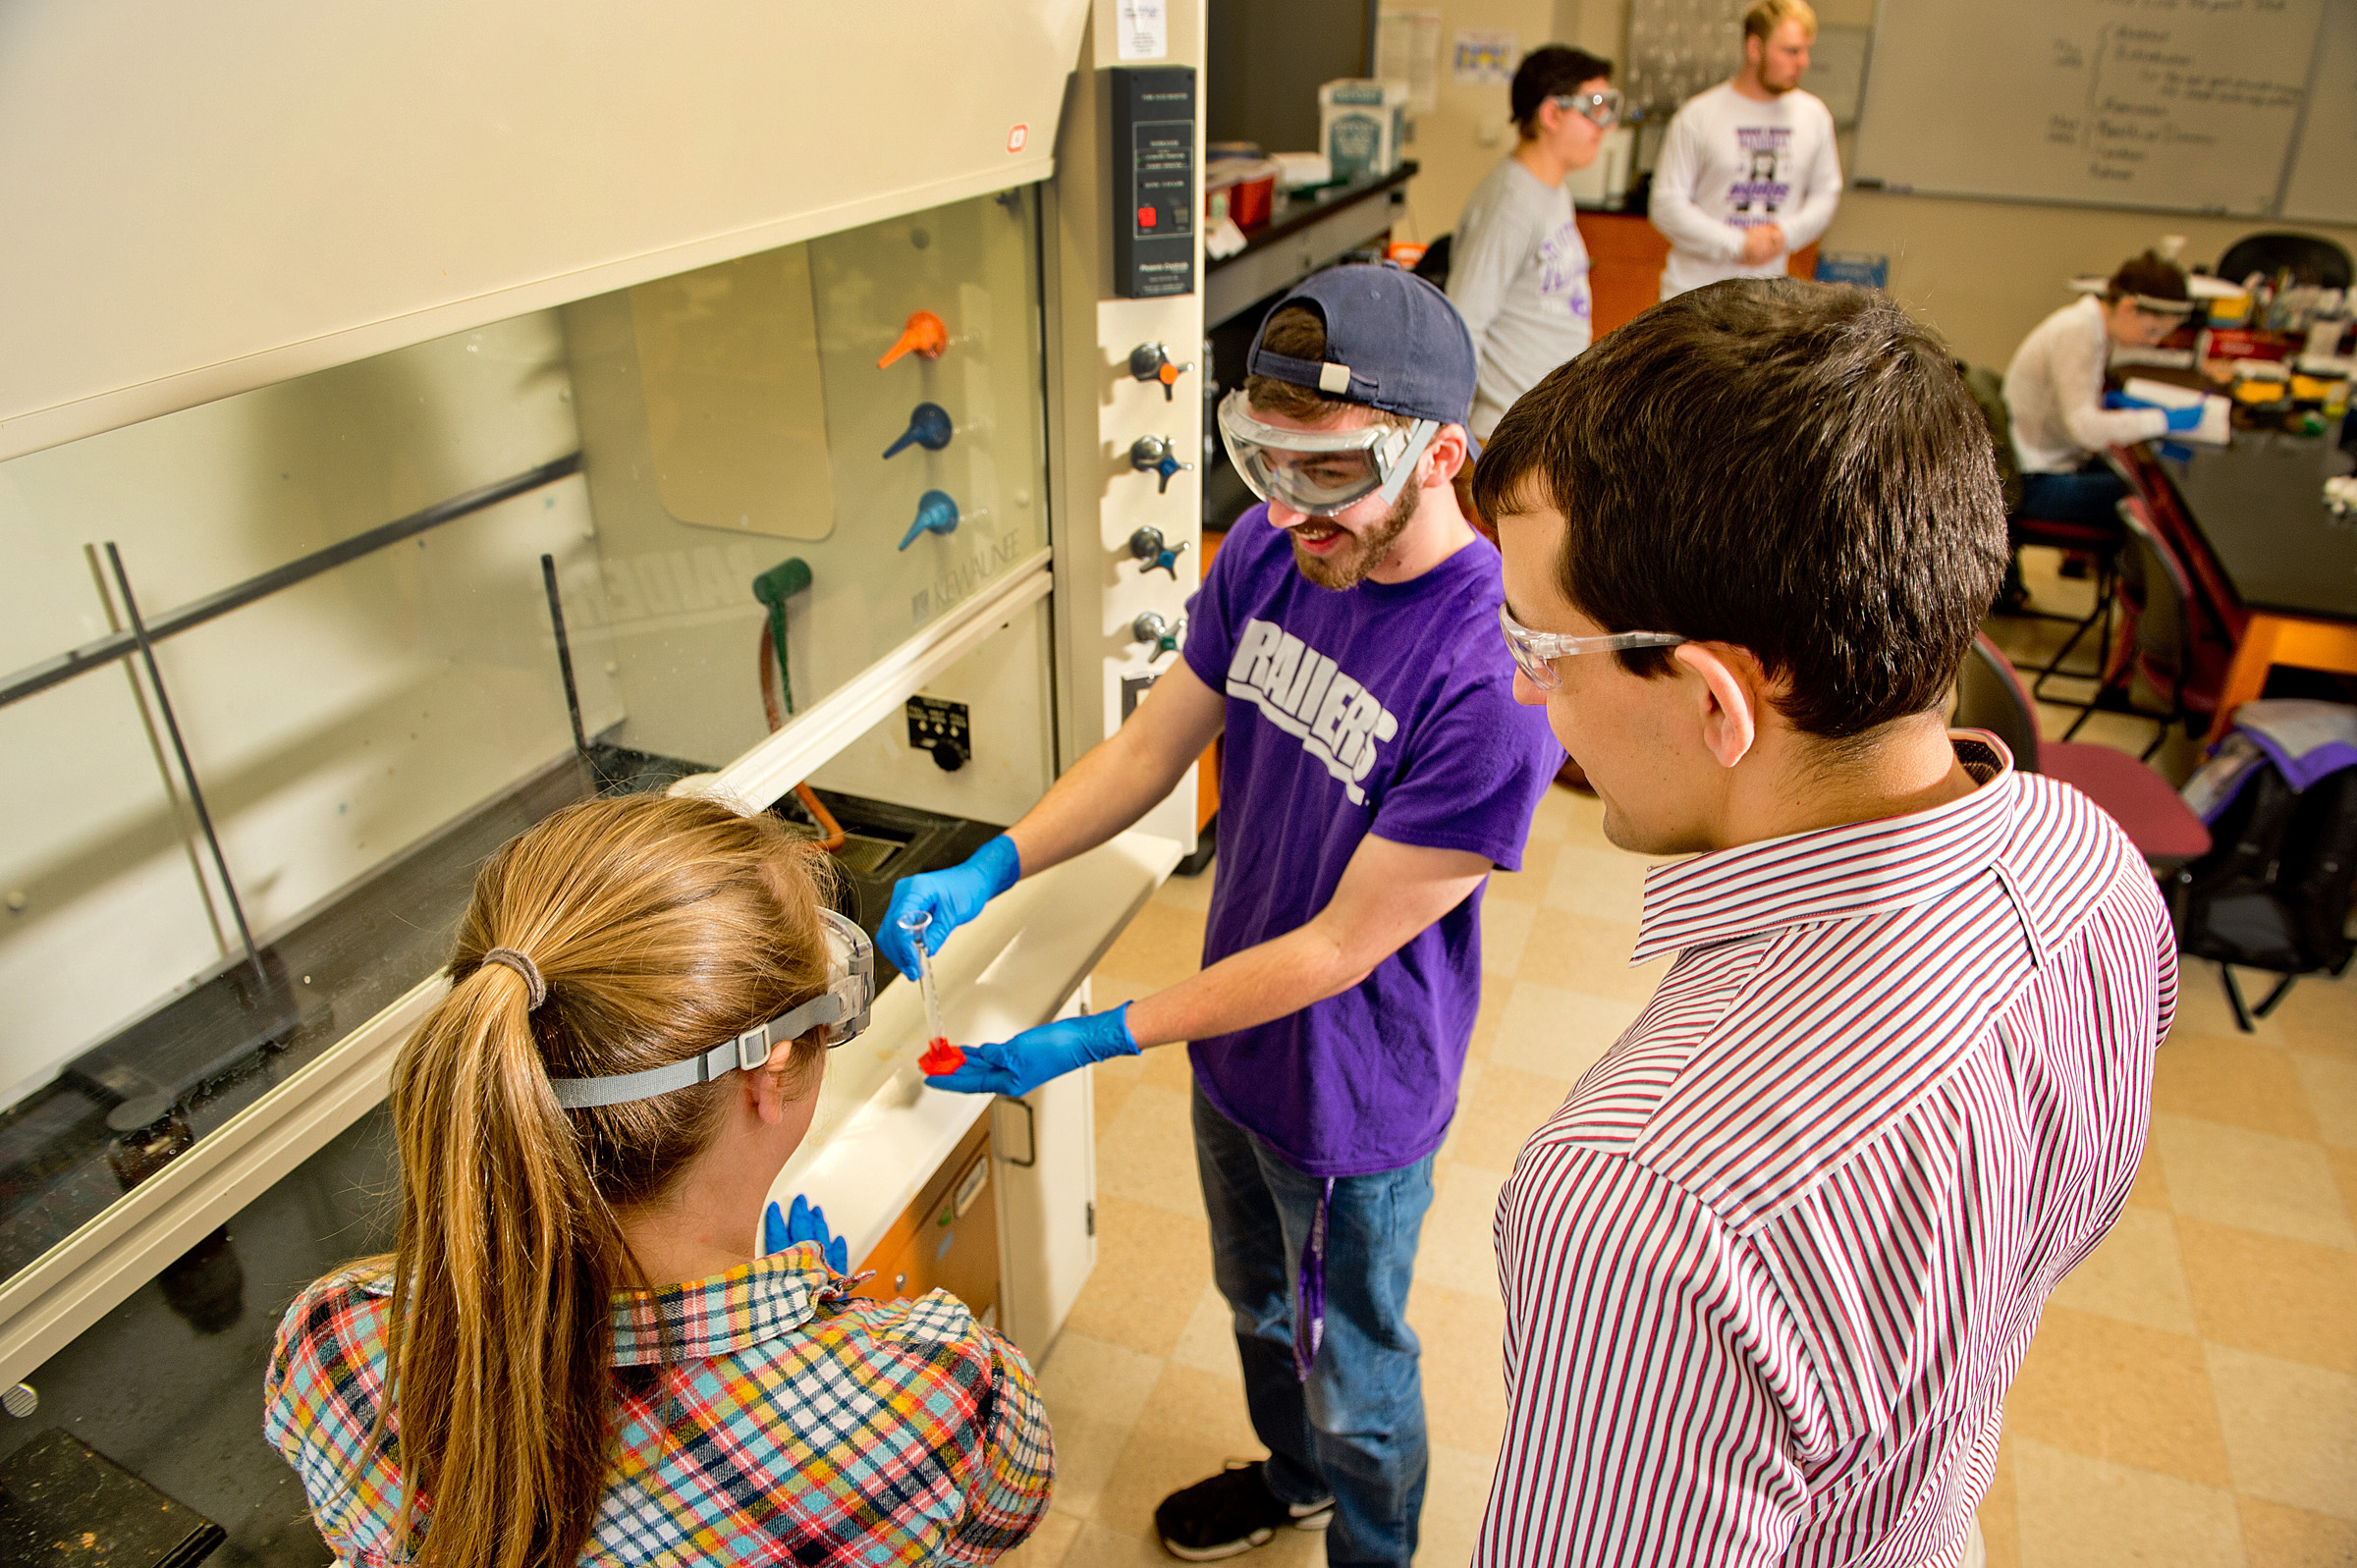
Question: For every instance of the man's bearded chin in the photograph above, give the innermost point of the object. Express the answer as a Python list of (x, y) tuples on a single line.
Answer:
[(1348, 567)]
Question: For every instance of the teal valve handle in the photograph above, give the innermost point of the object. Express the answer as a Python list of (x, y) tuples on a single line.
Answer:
[(1157, 454), (773, 587), (935, 513), (929, 427), (1147, 547), (1159, 635)]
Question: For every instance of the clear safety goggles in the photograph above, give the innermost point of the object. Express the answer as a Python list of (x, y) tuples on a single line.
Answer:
[(1602, 109), (841, 1010), (1533, 651), (1321, 473)]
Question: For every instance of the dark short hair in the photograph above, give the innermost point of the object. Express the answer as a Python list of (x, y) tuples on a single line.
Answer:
[(2149, 276), (1547, 71), (1299, 332), (1792, 468)]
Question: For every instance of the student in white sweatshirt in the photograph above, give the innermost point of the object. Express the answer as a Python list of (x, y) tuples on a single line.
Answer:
[(1517, 271), (1747, 173), (2055, 392)]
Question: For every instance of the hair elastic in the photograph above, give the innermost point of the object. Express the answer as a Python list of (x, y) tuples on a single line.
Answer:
[(523, 966)]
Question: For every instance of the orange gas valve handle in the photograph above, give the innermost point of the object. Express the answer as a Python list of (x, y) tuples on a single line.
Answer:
[(924, 336)]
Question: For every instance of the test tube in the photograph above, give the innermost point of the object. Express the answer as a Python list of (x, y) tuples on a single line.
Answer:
[(940, 1055)]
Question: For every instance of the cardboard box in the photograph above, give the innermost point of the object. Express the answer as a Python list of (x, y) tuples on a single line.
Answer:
[(1362, 123)]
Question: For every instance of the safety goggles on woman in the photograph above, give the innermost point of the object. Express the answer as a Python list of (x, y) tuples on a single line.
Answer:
[(1533, 651), (1321, 473), (839, 1011), (1602, 109)]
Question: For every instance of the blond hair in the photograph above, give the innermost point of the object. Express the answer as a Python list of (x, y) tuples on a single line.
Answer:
[(1765, 16), (660, 927)]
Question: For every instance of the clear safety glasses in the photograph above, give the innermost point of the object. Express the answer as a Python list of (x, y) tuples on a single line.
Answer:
[(1602, 109), (1320, 472), (1533, 650)]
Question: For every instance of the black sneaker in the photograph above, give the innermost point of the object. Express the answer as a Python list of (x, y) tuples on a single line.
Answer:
[(1231, 1514)]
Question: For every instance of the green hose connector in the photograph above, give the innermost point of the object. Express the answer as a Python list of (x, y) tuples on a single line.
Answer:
[(773, 587)]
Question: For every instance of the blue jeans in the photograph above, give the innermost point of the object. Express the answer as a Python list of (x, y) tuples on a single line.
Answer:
[(1355, 1431), (2092, 495)]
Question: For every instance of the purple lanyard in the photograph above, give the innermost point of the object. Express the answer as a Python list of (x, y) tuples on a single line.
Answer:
[(1309, 1290)]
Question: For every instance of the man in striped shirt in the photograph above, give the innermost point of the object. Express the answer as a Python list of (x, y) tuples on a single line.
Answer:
[(1769, 1270)]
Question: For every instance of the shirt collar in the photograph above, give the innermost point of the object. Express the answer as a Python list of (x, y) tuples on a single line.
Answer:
[(727, 1313), (1859, 868)]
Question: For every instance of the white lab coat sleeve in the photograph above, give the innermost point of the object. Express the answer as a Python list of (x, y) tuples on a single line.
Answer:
[(1672, 210), (1492, 245), (1816, 211), (2078, 371)]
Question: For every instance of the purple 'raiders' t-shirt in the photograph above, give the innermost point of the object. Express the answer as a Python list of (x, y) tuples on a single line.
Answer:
[(1387, 709)]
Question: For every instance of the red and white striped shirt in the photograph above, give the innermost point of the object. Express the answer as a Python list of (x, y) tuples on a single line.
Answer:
[(1770, 1269)]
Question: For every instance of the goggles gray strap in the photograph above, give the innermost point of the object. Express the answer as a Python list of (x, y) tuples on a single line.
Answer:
[(748, 1050)]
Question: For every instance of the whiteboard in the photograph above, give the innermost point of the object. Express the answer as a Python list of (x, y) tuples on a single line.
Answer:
[(2185, 104), (2322, 187)]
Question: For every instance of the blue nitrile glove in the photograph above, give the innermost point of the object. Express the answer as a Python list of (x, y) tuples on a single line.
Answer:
[(2121, 399), (952, 898), (807, 1223), (1033, 1057), (2182, 420)]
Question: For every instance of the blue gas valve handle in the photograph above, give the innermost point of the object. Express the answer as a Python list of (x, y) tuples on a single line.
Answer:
[(929, 427), (1168, 466), (1152, 555), (935, 513)]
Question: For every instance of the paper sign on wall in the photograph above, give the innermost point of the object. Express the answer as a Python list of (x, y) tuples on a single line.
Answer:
[(1144, 29), (1485, 59), (1407, 48)]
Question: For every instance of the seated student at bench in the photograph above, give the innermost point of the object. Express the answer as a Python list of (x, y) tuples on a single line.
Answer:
[(574, 1355), (2055, 392)]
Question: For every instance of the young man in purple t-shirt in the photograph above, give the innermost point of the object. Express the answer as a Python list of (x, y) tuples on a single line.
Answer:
[(1377, 768)]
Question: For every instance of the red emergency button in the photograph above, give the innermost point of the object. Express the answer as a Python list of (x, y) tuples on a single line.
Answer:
[(1145, 217)]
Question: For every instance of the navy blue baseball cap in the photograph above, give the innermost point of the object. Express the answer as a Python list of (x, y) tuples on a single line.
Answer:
[(1393, 342)]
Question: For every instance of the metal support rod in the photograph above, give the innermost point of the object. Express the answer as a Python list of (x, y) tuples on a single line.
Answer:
[(180, 749), (556, 618), (90, 654)]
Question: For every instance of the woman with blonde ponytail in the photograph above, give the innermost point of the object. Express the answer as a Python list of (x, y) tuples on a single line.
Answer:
[(574, 1354)]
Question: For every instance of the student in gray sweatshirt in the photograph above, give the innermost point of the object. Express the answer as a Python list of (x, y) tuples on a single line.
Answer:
[(1517, 272)]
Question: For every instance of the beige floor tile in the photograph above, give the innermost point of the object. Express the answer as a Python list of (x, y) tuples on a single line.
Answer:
[(1581, 952), (2234, 1079), (1557, 1033), (2281, 1298), (1505, 930), (2150, 1190), (1161, 946), (2344, 1176), (1149, 1152), (1497, 1111), (1109, 1088), (2001, 1529), (2331, 1086), (1167, 1067), (2080, 1512), (1151, 1266), (2118, 1391), (2202, 1007), (2320, 1015), (2292, 1429), (1099, 1547), (1094, 1392), (1607, 883), (1562, 813), (1495, 989), (1455, 1250), (1464, 1379), (1208, 1341), (1049, 1543), (2276, 1537), (1457, 1493), (1527, 886), (2231, 1176), (2134, 1277), (1192, 1423)]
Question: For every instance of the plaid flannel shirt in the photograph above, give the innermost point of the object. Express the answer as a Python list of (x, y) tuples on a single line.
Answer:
[(805, 1426)]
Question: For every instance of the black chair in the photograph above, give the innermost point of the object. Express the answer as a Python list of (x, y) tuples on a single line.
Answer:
[(2159, 594), (2312, 259), (1432, 265)]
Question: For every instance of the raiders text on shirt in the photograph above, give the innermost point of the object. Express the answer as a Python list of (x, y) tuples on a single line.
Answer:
[(1305, 695)]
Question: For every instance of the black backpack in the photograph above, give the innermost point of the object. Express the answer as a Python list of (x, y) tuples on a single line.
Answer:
[(2273, 892)]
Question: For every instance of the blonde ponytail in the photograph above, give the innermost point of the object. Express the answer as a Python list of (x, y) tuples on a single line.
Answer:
[(658, 927)]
